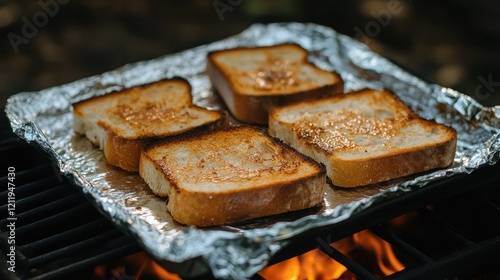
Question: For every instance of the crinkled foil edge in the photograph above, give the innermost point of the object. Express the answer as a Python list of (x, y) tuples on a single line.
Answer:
[(242, 253)]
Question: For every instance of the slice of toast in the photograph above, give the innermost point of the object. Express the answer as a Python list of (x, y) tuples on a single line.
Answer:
[(251, 80), (230, 175), (121, 123), (364, 137)]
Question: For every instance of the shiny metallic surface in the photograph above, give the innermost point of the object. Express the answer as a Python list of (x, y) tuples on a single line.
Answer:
[(45, 119)]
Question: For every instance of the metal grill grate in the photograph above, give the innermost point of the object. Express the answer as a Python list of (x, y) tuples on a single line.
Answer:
[(454, 232), (60, 234), (57, 231)]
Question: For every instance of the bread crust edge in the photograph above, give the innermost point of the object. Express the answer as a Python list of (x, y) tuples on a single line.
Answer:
[(125, 152)]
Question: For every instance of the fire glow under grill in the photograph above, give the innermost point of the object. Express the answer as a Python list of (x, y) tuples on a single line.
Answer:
[(376, 255), (433, 242)]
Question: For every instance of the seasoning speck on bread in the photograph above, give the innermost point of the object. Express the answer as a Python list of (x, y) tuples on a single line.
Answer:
[(231, 175), (122, 123), (364, 137), (251, 80)]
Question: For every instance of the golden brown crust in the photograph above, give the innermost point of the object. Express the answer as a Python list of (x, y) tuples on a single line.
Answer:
[(100, 119), (356, 167), (208, 207), (353, 173), (122, 152), (79, 104), (125, 152), (253, 109)]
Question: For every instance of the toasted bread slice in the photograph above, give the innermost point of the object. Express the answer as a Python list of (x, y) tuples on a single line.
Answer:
[(230, 175), (364, 137), (121, 123), (251, 80)]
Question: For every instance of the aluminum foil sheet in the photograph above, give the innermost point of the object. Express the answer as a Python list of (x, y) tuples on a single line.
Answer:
[(237, 251)]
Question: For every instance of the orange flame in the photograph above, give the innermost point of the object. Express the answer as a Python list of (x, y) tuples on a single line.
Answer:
[(137, 266), (386, 259), (312, 265), (317, 265)]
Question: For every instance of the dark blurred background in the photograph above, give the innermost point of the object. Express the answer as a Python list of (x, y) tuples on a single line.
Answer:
[(453, 43)]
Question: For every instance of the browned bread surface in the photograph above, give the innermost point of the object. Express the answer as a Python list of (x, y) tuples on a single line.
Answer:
[(251, 80), (121, 123), (230, 175), (364, 137)]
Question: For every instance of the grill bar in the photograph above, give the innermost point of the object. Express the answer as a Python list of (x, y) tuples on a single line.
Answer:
[(29, 175), (459, 255), (59, 219), (70, 237), (492, 206), (67, 238), (462, 264), (58, 232), (442, 224), (73, 266), (48, 208), (27, 195), (347, 262), (74, 247), (400, 244)]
